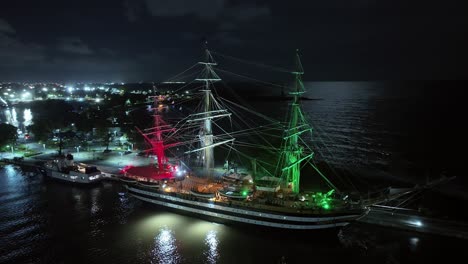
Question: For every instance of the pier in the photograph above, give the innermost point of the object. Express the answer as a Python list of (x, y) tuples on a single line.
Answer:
[(412, 221)]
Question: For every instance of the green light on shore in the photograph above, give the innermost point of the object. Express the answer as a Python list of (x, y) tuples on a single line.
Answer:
[(326, 206), (244, 193)]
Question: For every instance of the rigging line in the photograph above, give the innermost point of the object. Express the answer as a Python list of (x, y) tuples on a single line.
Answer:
[(243, 144), (332, 169), (245, 119), (182, 77), (253, 63), (411, 196), (248, 132), (236, 96), (250, 157), (415, 199), (173, 77), (222, 129), (253, 112), (320, 139), (185, 85), (331, 154), (324, 177), (343, 181), (245, 122), (235, 113), (250, 78)]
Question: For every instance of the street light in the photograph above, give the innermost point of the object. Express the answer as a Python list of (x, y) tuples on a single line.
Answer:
[(78, 149), (43, 145)]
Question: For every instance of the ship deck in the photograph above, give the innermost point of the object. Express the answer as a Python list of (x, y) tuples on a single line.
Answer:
[(258, 201)]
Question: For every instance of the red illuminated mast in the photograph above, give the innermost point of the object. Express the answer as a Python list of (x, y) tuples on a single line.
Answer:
[(154, 135)]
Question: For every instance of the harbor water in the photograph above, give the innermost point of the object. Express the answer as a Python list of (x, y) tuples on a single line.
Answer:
[(386, 132)]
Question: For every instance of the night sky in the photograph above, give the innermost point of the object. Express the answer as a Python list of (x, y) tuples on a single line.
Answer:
[(151, 40)]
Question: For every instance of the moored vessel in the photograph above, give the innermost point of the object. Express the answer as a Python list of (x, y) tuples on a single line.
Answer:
[(65, 169), (274, 199)]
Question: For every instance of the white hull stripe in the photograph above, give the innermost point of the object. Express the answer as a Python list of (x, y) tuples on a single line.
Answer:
[(239, 219), (246, 212)]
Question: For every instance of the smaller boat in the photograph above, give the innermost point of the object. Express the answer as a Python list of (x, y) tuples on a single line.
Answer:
[(65, 169)]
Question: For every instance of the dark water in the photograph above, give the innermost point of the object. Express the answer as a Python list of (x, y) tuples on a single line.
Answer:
[(387, 132), (49, 222)]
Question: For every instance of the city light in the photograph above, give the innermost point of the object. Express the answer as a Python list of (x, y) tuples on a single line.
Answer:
[(25, 94)]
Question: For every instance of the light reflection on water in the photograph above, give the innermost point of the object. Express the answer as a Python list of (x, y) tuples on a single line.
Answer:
[(10, 116), (178, 239), (27, 117), (212, 242), (165, 248)]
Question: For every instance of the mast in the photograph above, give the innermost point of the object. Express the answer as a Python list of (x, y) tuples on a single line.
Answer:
[(154, 135), (293, 152), (209, 76)]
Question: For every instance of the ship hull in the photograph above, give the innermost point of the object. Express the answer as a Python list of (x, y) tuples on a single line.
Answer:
[(74, 178), (245, 215)]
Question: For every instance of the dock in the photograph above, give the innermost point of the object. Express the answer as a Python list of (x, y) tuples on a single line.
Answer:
[(412, 221)]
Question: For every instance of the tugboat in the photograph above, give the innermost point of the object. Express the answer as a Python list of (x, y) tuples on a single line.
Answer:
[(64, 169), (275, 200)]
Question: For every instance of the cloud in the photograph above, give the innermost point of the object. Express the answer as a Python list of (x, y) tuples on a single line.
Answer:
[(247, 13), (75, 45), (205, 9), (234, 18), (133, 9), (5, 27), (14, 52)]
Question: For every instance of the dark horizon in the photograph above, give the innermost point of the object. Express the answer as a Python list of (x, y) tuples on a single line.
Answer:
[(151, 40)]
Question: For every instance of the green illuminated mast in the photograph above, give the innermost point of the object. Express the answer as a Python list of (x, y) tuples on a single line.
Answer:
[(293, 152)]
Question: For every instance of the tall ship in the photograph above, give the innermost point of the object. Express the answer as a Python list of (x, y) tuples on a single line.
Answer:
[(257, 194)]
